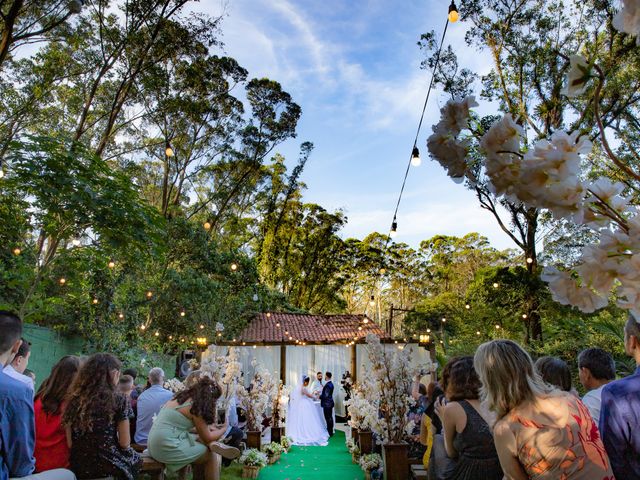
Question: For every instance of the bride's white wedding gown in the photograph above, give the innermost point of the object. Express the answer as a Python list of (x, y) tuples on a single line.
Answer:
[(305, 420)]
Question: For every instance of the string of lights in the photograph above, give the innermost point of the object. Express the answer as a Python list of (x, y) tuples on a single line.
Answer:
[(414, 159)]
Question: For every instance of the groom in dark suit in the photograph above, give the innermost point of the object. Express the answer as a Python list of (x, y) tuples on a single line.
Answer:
[(326, 402)]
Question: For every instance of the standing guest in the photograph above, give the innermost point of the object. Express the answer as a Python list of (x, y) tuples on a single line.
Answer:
[(170, 439), (555, 372), (596, 368), (16, 368), (17, 432), (541, 432), (620, 414), (51, 449), (466, 424), (149, 404), (97, 421)]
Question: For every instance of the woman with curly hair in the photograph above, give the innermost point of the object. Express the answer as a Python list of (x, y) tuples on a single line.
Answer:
[(51, 449), (541, 432), (170, 439), (97, 422), (466, 425)]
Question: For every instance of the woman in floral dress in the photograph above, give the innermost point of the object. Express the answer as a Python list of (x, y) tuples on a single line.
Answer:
[(541, 433)]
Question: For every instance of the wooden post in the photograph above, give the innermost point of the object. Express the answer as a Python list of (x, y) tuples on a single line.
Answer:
[(354, 363), (283, 363)]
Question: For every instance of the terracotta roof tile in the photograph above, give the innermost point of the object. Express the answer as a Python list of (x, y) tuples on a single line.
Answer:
[(273, 328)]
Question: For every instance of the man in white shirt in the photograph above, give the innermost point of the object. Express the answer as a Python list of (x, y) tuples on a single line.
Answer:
[(317, 386), (596, 368), (19, 364)]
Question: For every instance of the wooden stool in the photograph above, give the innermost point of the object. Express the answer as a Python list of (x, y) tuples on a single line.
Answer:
[(153, 468), (138, 448)]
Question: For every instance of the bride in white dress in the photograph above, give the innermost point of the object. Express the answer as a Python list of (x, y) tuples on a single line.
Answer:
[(305, 421)]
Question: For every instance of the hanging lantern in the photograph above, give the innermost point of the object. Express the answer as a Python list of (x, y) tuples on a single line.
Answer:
[(453, 13)]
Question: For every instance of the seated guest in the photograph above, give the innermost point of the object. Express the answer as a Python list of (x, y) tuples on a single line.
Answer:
[(620, 413), (149, 404), (170, 439), (466, 424), (31, 374), (596, 368), (555, 372), (126, 387), (19, 364), (17, 434), (137, 390), (97, 421), (51, 449), (541, 432)]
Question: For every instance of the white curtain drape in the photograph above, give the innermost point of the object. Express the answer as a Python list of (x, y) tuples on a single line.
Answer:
[(335, 359), (299, 362)]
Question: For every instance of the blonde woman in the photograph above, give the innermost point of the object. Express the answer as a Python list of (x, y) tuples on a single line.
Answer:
[(541, 432)]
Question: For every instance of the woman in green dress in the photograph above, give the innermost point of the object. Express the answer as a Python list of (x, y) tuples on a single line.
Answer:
[(171, 440)]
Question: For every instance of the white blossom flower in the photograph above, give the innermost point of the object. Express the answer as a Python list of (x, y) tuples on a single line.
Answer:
[(455, 115), (501, 144), (449, 152), (566, 291), (578, 76), (627, 20)]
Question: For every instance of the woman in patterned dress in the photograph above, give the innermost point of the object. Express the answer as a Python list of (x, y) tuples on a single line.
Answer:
[(541, 433)]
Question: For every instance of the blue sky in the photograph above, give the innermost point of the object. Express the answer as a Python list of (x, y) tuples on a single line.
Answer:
[(353, 67)]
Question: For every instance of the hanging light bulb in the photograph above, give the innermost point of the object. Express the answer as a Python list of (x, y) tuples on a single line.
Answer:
[(121, 316), (157, 334), (201, 327), (444, 320), (383, 271), (529, 260), (394, 229), (415, 157), (207, 225), (111, 264), (149, 294), (17, 251), (255, 297), (365, 320), (372, 301), (524, 315), (453, 12), (168, 151), (478, 332), (496, 285), (234, 267), (95, 301), (62, 281), (142, 327), (183, 313), (170, 337), (467, 306)]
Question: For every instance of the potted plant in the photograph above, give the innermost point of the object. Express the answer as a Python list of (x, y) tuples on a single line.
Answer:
[(252, 461), (273, 451), (392, 376), (369, 463), (286, 443)]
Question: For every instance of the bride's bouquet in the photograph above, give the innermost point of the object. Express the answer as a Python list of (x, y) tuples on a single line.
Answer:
[(393, 376)]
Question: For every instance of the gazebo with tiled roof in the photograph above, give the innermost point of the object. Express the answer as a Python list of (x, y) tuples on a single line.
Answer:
[(300, 329)]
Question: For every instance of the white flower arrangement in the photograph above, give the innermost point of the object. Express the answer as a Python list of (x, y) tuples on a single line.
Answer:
[(393, 377), (273, 449), (257, 399), (174, 385), (225, 370), (548, 175), (253, 458), (286, 443), (371, 461)]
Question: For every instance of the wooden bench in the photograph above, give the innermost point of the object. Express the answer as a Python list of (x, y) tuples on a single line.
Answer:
[(418, 471), (153, 468)]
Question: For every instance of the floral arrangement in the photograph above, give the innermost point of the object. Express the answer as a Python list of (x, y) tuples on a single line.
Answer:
[(286, 443), (253, 458), (353, 447), (392, 376), (279, 403), (225, 370), (273, 449), (257, 398), (371, 461), (174, 385), (193, 364), (363, 412), (547, 175)]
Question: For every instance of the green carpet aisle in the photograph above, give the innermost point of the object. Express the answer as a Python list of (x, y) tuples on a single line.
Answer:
[(310, 463)]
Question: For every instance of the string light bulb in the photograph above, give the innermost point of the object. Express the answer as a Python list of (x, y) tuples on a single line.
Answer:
[(111, 264), (95, 301), (201, 327), (478, 332), (121, 316), (497, 327), (234, 267), (142, 327), (524, 315), (168, 151), (183, 313), (444, 320), (383, 271), (17, 251), (372, 301), (453, 13), (207, 225), (365, 320), (149, 294), (157, 334), (62, 281), (467, 306), (255, 297), (529, 260), (394, 229), (415, 157), (496, 285)]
